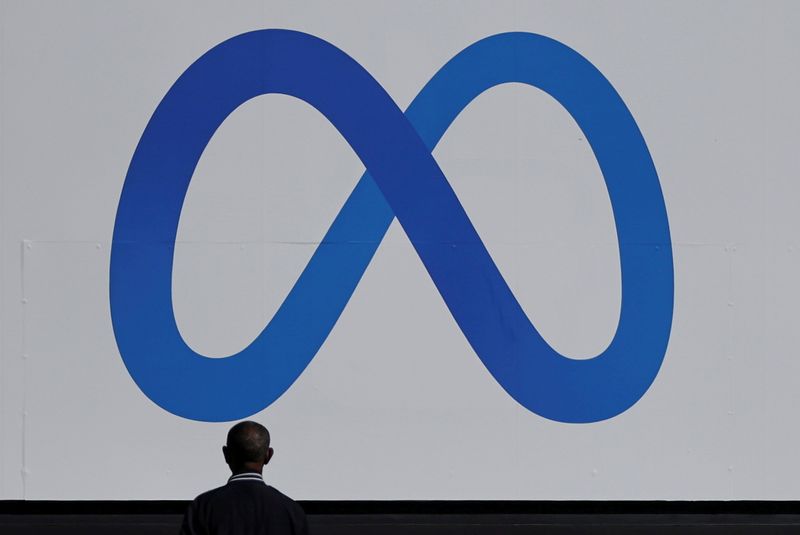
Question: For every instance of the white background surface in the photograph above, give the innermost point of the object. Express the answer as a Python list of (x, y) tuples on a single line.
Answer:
[(396, 405)]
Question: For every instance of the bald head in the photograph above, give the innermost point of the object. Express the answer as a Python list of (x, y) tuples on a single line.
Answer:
[(248, 446)]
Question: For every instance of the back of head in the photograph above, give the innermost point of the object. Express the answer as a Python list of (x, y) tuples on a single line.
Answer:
[(248, 443)]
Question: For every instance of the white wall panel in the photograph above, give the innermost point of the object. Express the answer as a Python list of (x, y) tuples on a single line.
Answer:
[(396, 405)]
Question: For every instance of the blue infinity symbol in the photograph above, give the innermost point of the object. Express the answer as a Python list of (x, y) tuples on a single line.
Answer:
[(403, 181)]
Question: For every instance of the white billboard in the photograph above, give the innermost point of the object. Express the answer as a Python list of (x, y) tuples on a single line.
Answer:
[(453, 251)]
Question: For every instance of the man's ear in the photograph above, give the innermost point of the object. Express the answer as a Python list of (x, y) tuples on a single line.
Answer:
[(225, 454), (270, 452)]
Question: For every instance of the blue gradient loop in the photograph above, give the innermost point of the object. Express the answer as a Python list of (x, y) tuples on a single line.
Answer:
[(403, 181)]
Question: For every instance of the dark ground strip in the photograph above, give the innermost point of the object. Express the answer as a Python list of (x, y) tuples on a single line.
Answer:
[(425, 518)]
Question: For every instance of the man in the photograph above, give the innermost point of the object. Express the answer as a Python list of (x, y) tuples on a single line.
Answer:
[(246, 505)]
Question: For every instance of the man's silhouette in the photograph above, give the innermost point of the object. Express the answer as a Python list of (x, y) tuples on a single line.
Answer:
[(246, 505)]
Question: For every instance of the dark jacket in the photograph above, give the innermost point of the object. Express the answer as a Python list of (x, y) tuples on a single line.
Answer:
[(245, 506)]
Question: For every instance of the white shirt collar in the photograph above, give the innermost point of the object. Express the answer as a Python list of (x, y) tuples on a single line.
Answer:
[(246, 476)]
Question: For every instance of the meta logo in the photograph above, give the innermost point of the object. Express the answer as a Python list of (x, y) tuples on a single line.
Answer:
[(404, 181)]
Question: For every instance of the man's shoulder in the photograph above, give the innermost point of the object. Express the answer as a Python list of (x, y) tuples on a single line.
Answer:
[(281, 497), (209, 495)]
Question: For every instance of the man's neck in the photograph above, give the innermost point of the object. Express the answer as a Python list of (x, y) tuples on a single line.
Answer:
[(245, 469)]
